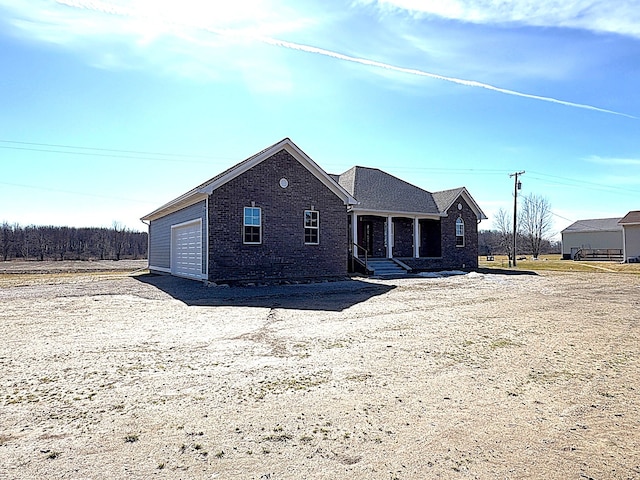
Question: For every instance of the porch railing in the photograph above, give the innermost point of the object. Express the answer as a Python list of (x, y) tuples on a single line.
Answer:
[(355, 249)]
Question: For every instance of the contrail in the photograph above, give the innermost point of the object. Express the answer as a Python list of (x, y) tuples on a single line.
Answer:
[(111, 9)]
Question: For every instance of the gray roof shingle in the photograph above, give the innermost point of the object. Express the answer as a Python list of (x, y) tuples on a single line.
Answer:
[(379, 191), (594, 225), (445, 198)]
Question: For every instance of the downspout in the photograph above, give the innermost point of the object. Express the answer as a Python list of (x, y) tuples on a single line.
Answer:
[(148, 240)]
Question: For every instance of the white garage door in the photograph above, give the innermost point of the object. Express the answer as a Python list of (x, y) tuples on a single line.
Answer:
[(186, 251)]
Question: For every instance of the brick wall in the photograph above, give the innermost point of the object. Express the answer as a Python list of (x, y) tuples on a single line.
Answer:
[(454, 257), (403, 237), (282, 253)]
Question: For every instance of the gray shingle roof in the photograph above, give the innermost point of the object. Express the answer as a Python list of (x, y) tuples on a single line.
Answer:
[(445, 198), (378, 191), (594, 225)]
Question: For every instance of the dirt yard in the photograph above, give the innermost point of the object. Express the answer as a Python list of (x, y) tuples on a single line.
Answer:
[(476, 376)]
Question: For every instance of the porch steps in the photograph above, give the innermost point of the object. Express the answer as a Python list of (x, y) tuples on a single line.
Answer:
[(385, 267)]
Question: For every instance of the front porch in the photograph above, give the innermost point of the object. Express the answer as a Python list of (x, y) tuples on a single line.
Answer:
[(395, 236)]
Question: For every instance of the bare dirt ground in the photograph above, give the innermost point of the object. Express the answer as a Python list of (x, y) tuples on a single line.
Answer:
[(474, 376)]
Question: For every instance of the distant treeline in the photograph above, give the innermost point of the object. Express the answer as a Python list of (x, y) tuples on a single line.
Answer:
[(492, 242), (69, 243)]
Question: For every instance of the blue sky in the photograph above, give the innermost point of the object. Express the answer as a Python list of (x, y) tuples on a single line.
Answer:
[(112, 108)]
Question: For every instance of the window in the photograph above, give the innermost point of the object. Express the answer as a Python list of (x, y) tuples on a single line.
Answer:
[(311, 227), (460, 232), (252, 225)]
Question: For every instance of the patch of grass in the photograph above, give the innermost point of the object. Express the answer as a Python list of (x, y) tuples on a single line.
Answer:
[(53, 455), (360, 377), (131, 438), (502, 343), (555, 263), (552, 377), (283, 437), (281, 385)]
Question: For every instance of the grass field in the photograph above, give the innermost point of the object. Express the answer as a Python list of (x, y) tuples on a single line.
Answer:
[(555, 263)]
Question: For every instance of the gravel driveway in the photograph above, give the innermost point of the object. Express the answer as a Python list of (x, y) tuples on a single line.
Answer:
[(471, 376)]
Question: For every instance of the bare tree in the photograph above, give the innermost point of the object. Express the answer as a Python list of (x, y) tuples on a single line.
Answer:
[(535, 221), (503, 224), (119, 239), (6, 240)]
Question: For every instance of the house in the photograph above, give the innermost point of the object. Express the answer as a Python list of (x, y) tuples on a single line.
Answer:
[(394, 219), (278, 215), (631, 236), (593, 234)]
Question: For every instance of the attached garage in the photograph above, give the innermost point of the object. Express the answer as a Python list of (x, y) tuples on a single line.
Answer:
[(178, 241), (186, 249)]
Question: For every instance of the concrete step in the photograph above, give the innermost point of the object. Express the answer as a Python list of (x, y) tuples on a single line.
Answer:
[(385, 267)]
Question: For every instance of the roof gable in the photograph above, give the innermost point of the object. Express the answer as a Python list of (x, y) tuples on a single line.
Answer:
[(446, 198), (631, 218), (202, 191)]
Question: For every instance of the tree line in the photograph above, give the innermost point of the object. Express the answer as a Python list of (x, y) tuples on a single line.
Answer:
[(70, 243)]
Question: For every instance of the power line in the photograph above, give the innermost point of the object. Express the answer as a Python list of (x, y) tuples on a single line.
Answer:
[(571, 182), (140, 152), (57, 190), (105, 155)]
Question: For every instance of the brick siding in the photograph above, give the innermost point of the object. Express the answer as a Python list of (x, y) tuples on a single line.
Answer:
[(453, 257), (282, 253)]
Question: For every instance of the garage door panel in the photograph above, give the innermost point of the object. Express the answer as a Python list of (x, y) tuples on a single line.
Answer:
[(187, 250)]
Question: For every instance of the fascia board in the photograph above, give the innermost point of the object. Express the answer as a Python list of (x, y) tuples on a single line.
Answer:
[(385, 213), (594, 230), (472, 203), (319, 173), (296, 153), (190, 198)]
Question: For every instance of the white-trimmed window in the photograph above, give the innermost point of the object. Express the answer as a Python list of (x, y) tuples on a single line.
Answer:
[(311, 227), (459, 232), (252, 225)]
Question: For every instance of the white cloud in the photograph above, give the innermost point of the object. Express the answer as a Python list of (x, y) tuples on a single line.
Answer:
[(621, 16), (238, 27)]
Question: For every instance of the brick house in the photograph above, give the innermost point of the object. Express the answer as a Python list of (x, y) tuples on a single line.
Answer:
[(278, 215)]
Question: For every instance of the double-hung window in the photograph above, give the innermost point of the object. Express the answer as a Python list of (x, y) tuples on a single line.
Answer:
[(460, 232), (311, 227), (252, 225)]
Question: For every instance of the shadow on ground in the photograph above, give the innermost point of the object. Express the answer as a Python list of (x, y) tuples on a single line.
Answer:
[(505, 271), (330, 296)]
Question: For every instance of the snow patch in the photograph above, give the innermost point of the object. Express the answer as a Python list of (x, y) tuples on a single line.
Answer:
[(445, 273)]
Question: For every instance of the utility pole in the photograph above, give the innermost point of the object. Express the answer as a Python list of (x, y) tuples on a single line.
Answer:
[(516, 186)]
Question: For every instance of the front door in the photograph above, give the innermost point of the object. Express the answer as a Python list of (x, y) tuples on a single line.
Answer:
[(367, 236)]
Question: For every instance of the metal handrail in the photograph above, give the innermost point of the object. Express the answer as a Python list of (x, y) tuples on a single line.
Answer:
[(353, 257)]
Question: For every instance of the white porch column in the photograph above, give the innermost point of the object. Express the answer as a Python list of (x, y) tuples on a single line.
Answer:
[(354, 233), (416, 238), (389, 236)]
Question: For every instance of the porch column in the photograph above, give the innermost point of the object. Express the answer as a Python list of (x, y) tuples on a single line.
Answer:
[(389, 236), (354, 233), (416, 238)]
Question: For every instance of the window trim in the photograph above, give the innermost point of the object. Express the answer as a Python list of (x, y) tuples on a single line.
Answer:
[(311, 227), (245, 225), (460, 232)]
